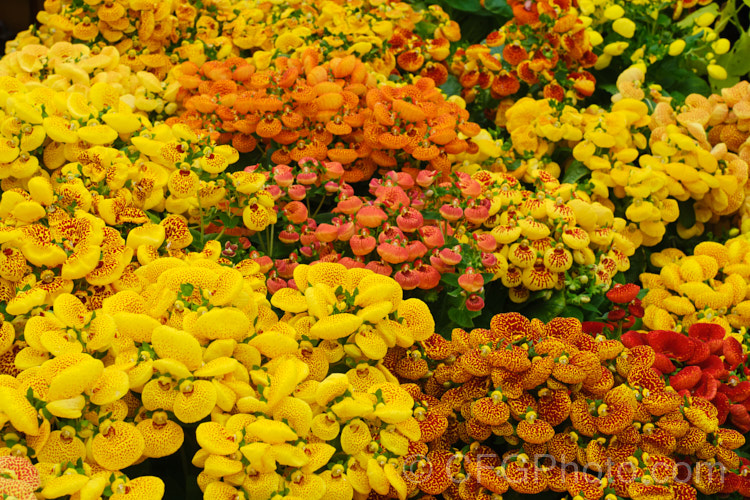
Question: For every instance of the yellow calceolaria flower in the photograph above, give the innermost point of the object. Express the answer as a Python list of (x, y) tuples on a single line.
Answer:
[(679, 160), (706, 287)]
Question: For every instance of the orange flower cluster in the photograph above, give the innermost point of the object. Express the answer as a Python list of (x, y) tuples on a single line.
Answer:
[(544, 40), (428, 57), (325, 110), (558, 399)]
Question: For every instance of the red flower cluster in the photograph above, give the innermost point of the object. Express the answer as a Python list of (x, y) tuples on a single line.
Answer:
[(705, 362), (544, 40)]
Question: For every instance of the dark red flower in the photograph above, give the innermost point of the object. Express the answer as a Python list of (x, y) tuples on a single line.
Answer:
[(594, 327), (733, 354), (623, 294), (740, 417), (616, 314), (721, 402), (636, 309), (737, 393), (672, 344), (701, 352), (686, 378), (707, 387), (663, 364), (714, 367), (632, 338), (709, 333)]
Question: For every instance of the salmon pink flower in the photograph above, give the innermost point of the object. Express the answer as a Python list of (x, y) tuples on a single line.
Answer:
[(432, 236), (409, 219), (425, 178), (392, 253), (363, 243), (449, 256), (295, 211), (333, 170), (416, 250), (470, 280), (379, 267), (283, 176), (297, 192), (371, 216), (429, 277), (326, 233), (451, 211), (485, 242), (349, 205), (408, 278)]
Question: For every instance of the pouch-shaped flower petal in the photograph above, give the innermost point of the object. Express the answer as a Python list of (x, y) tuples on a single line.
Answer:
[(117, 446)]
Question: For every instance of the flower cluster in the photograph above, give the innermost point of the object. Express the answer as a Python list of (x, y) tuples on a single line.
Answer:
[(650, 160), (320, 390), (119, 374), (544, 49), (525, 401), (333, 111), (707, 363), (708, 286), (156, 37), (668, 33), (461, 232)]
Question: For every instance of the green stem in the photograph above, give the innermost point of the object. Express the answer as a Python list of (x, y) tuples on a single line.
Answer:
[(271, 238), (320, 205), (200, 213)]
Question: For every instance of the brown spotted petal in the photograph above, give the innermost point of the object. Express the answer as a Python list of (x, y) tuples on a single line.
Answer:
[(555, 407), (646, 377), (538, 373), (582, 420), (526, 478), (661, 403), (475, 363), (643, 491), (562, 447), (536, 432), (658, 441), (617, 411), (514, 359), (675, 424), (708, 477), (585, 485), (510, 325), (490, 412), (601, 386)]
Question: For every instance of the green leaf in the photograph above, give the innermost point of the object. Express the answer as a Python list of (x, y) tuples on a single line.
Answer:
[(572, 312), (154, 218), (499, 7), (689, 20), (452, 86), (736, 61), (462, 317), (687, 213), (474, 6), (186, 289), (450, 279), (547, 309), (575, 171)]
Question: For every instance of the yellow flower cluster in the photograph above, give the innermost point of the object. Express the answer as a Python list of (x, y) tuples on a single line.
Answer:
[(651, 160), (617, 21), (543, 235), (102, 384), (710, 286), (154, 36)]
